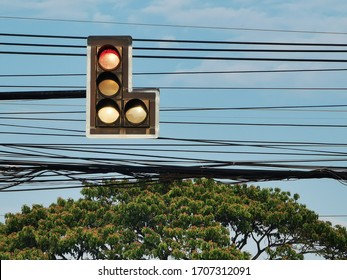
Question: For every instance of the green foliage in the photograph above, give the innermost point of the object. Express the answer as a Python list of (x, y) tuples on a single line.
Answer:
[(199, 219)]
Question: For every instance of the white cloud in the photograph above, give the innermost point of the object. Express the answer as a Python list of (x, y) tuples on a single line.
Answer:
[(291, 15), (102, 17), (61, 9)]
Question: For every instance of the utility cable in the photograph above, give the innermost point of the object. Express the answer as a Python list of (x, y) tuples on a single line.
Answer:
[(182, 41), (260, 59), (177, 49), (184, 72), (174, 25)]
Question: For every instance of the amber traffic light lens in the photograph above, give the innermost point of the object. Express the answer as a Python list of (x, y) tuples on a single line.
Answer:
[(108, 58), (107, 111), (108, 84), (136, 111)]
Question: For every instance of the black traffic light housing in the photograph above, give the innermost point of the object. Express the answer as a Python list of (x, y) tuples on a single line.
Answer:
[(114, 109)]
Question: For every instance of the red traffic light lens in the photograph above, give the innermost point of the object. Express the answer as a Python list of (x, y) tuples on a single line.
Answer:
[(109, 58)]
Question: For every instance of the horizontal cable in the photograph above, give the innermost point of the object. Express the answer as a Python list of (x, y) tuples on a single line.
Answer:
[(81, 93), (43, 119), (77, 149), (42, 53), (173, 25), (240, 42), (41, 112), (192, 171), (43, 45), (176, 49), (186, 109), (39, 75), (239, 50), (195, 123), (61, 94), (40, 86), (40, 134), (101, 149), (240, 71), (255, 124), (253, 88), (204, 142), (184, 72), (43, 128), (253, 108), (240, 58), (188, 57), (49, 36)]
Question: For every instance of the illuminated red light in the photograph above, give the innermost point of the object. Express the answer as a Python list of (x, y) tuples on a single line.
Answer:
[(109, 58)]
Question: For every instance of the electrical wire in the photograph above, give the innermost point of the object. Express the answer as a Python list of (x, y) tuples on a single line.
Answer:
[(302, 108), (177, 49), (255, 124), (192, 123), (186, 72), (176, 57), (173, 25), (182, 41), (254, 88), (106, 159)]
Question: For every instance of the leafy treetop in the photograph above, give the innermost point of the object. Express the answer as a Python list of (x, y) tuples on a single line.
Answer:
[(189, 219)]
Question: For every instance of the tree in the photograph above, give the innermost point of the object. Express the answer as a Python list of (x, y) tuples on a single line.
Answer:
[(190, 219)]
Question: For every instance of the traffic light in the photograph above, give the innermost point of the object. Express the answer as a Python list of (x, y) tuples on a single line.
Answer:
[(114, 109)]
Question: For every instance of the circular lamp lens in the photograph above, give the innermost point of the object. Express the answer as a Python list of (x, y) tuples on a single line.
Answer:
[(108, 84), (136, 111), (107, 111), (108, 58)]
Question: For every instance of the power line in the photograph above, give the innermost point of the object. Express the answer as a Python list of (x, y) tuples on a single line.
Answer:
[(183, 41), (255, 88), (177, 49), (193, 171), (240, 71), (42, 112), (42, 36), (124, 148), (37, 134), (240, 50), (256, 124), (41, 75), (253, 108), (22, 95), (240, 58), (192, 123), (183, 72), (42, 45), (43, 128), (187, 109), (197, 142), (261, 59), (262, 163), (239, 42), (43, 53), (175, 25)]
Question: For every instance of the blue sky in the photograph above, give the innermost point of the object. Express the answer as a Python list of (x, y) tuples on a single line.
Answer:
[(307, 21)]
